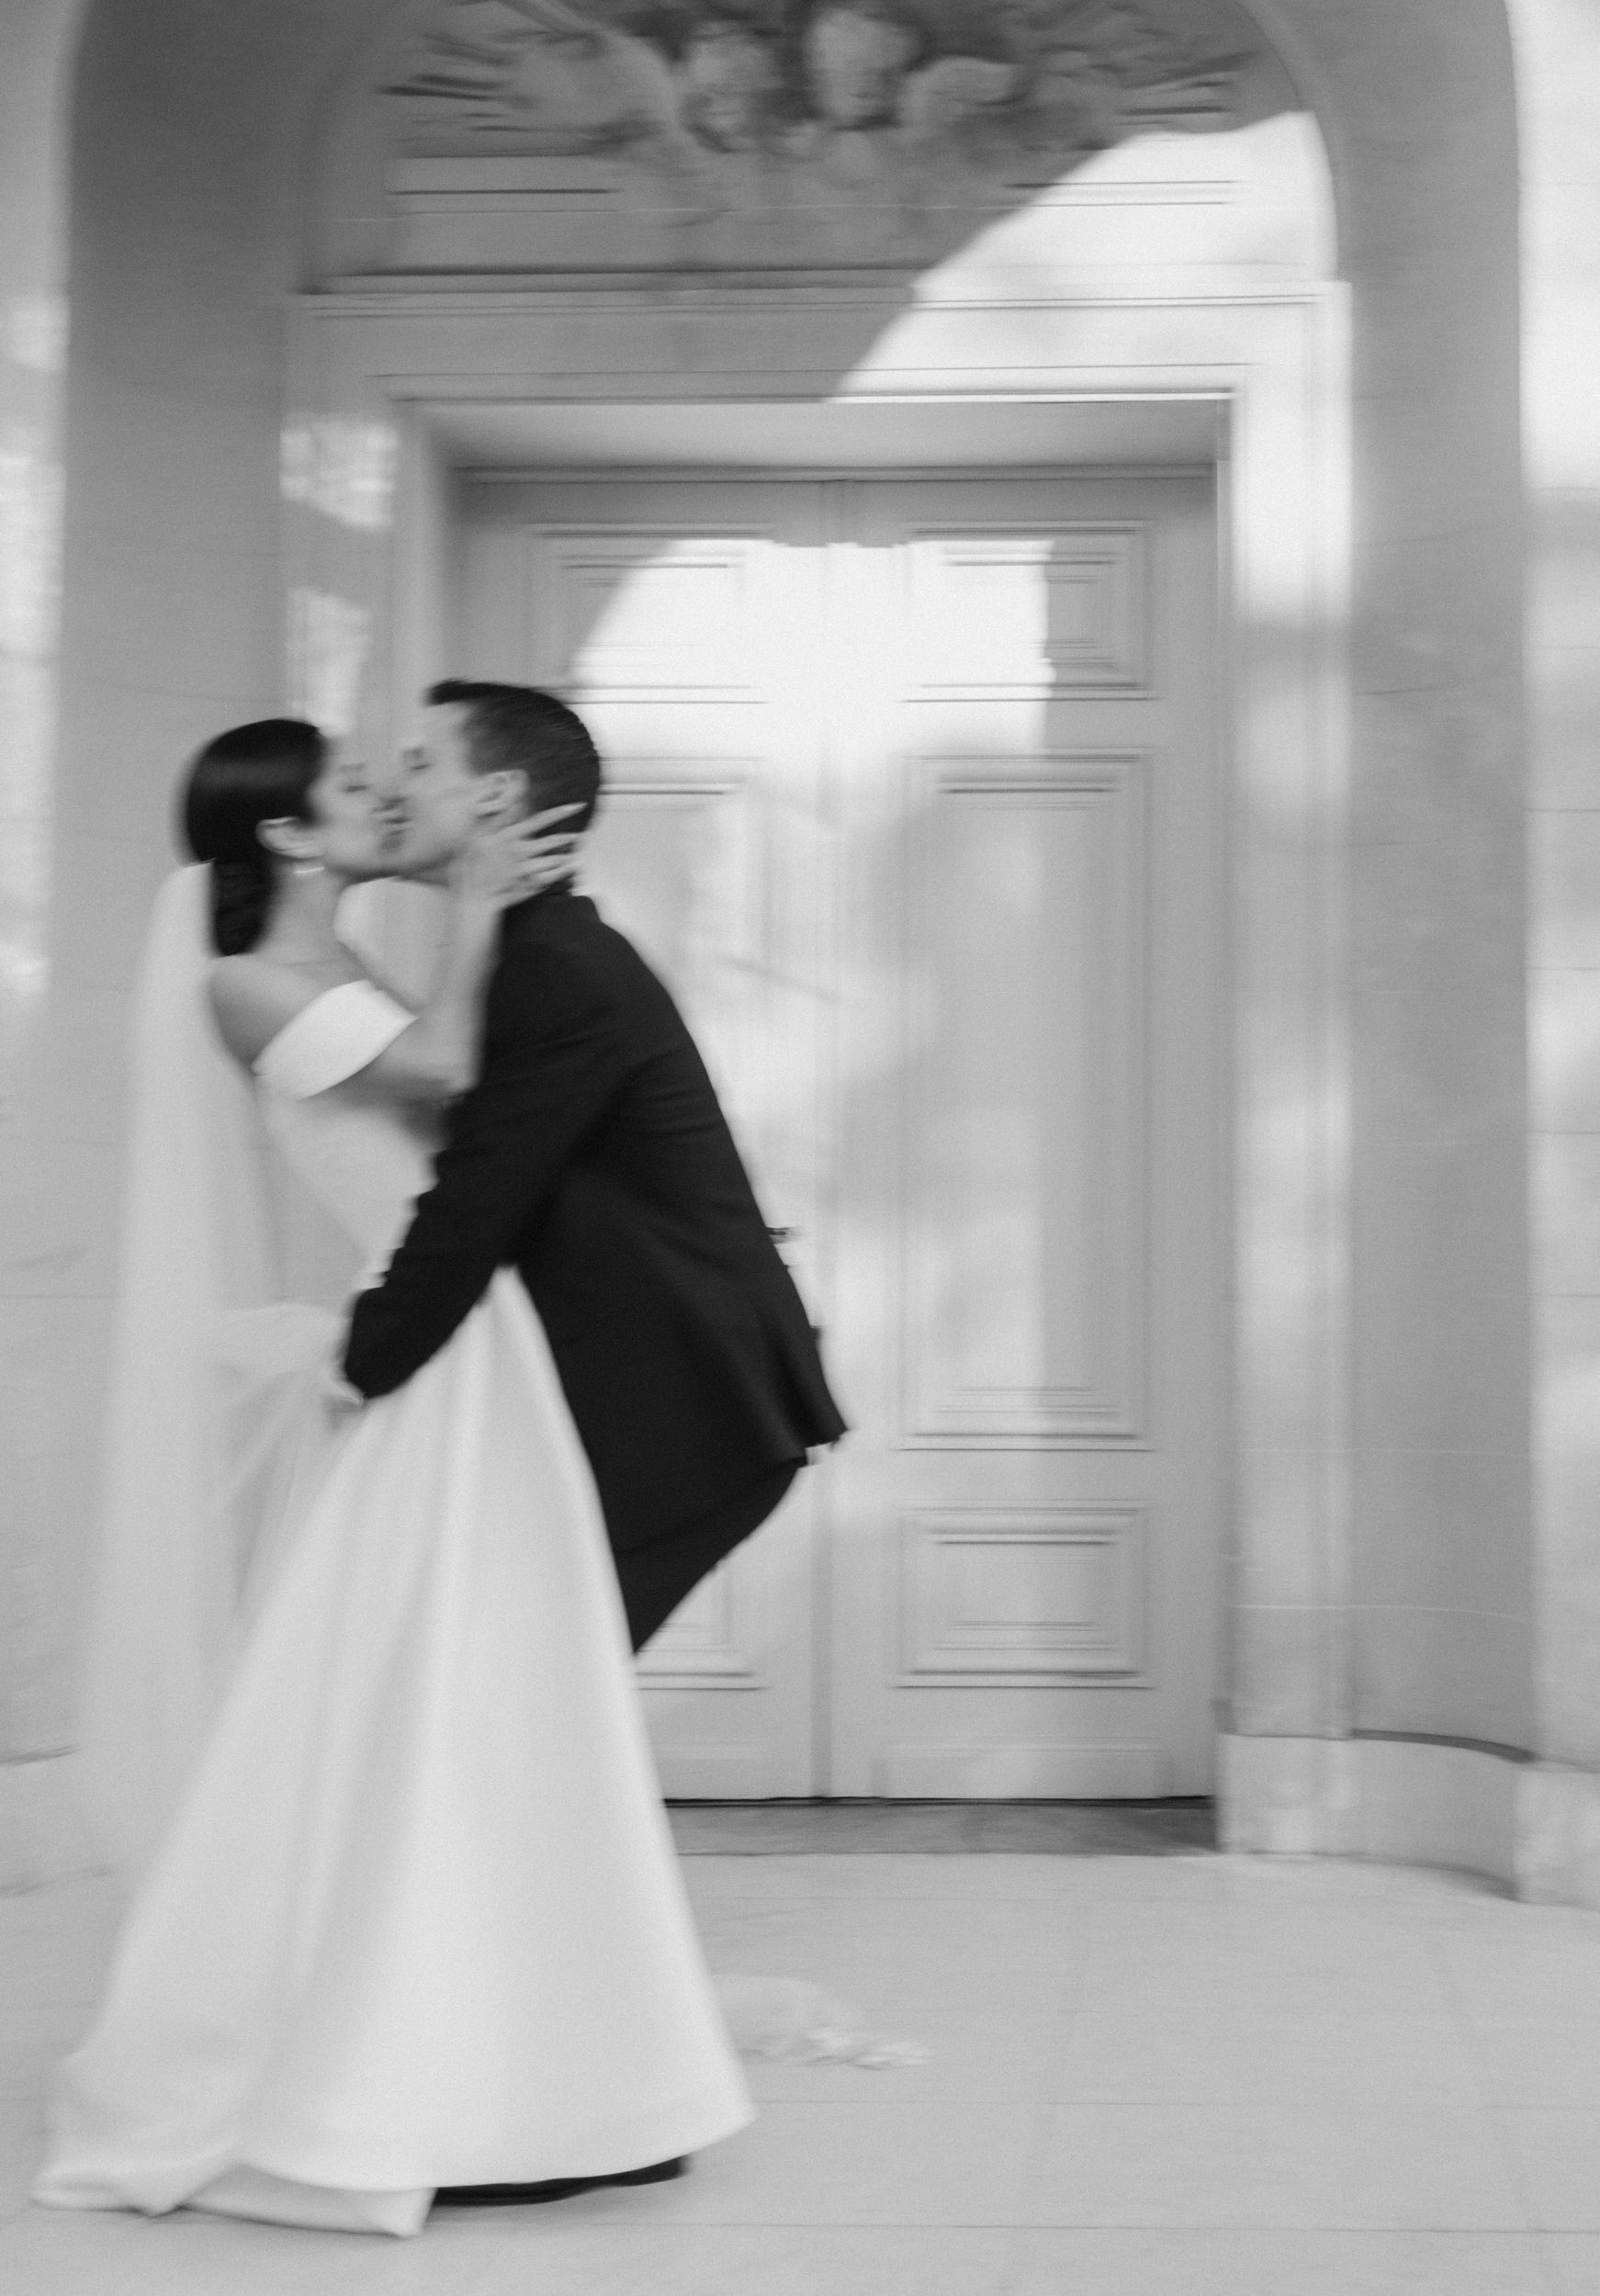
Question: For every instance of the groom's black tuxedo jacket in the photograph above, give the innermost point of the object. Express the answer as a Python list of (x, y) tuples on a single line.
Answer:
[(593, 1156)]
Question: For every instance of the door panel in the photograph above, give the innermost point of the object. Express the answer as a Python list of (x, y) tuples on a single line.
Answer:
[(911, 801), (1021, 1205), (1025, 1531)]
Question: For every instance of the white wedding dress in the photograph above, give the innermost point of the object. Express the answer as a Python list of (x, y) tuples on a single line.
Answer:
[(419, 1918)]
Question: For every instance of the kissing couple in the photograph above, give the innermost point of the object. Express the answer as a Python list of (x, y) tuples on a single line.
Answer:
[(405, 1917)]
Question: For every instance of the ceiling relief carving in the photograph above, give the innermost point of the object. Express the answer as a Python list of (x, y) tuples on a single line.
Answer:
[(637, 131)]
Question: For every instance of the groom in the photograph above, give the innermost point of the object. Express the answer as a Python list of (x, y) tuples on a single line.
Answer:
[(593, 1156)]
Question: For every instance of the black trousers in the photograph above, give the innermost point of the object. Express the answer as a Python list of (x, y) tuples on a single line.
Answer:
[(657, 1578)]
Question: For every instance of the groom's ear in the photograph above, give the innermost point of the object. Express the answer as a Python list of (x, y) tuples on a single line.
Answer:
[(501, 796)]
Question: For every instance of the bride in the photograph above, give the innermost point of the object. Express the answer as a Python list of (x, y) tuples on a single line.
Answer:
[(361, 1722)]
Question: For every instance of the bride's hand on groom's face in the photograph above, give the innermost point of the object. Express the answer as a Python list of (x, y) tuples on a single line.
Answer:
[(512, 862)]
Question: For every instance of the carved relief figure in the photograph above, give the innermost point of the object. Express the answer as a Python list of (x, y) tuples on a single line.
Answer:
[(877, 85), (857, 57), (731, 84)]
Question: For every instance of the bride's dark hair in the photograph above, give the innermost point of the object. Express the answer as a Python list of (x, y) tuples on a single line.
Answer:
[(263, 772)]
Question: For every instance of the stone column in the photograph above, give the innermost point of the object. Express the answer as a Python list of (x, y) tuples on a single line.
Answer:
[(184, 126), (1558, 57)]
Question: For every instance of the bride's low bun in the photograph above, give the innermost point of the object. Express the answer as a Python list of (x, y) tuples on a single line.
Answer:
[(241, 897), (263, 772)]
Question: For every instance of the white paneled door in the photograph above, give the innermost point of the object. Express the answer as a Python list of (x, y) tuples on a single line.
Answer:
[(913, 800)]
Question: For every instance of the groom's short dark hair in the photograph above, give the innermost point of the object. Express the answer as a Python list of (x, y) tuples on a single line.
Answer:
[(518, 729)]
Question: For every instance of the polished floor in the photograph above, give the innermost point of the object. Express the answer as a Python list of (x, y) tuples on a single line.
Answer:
[(1151, 2074)]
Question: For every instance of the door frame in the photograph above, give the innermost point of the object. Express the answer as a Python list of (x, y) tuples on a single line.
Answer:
[(381, 367)]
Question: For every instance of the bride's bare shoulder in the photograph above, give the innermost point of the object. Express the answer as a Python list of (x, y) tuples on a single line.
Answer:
[(252, 999)]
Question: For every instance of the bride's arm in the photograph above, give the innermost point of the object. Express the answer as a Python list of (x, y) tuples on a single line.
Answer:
[(435, 1059)]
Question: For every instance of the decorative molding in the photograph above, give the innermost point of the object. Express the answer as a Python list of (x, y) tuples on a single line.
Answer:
[(1005, 86), (1139, 191), (626, 297), (1083, 1571), (1102, 1399), (638, 780), (503, 185), (704, 652), (1017, 615), (523, 133), (703, 1645)]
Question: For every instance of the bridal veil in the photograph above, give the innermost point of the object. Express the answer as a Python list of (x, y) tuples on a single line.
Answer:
[(210, 1354)]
